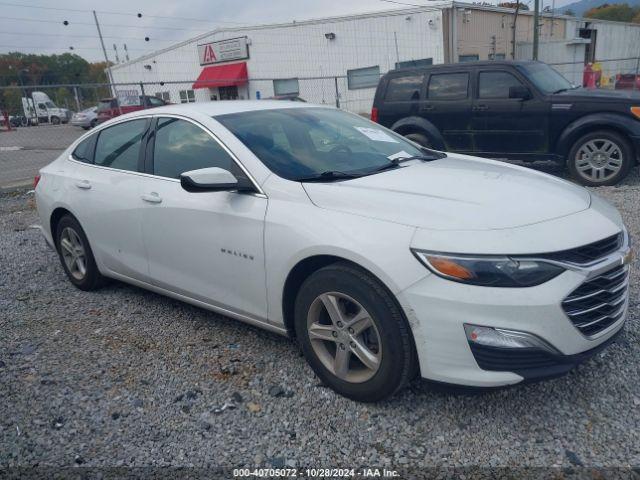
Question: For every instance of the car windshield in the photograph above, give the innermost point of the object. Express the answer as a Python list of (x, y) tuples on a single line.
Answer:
[(104, 105), (545, 78), (302, 143)]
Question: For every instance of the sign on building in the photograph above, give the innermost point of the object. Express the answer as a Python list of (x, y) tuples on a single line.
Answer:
[(223, 51)]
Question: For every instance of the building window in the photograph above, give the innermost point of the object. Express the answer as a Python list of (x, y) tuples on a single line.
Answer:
[(163, 96), (286, 86), (415, 63), (187, 96), (497, 56), (468, 58), (363, 77)]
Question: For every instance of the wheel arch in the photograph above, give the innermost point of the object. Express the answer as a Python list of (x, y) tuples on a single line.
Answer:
[(420, 125), (54, 219), (591, 123)]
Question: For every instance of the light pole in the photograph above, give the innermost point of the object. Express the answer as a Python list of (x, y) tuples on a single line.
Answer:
[(536, 29)]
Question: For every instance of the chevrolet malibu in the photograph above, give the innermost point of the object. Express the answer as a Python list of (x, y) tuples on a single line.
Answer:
[(383, 259)]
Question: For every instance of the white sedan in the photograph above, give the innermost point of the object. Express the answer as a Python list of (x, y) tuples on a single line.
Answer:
[(383, 259)]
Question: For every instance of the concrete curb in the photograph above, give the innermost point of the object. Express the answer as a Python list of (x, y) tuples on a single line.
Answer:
[(17, 186)]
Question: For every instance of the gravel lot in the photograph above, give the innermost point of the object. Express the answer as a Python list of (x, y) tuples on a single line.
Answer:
[(124, 377)]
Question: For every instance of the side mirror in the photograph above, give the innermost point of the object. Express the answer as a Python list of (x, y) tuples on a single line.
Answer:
[(520, 92), (213, 179)]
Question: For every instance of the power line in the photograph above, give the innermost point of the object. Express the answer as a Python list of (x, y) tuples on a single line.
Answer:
[(117, 13), (79, 36), (104, 24), (71, 49)]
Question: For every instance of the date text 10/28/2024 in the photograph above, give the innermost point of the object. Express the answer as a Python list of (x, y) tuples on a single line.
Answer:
[(315, 473)]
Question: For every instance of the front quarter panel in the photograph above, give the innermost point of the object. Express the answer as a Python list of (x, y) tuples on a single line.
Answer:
[(296, 229)]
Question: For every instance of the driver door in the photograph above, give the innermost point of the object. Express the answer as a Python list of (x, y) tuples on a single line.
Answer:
[(205, 245)]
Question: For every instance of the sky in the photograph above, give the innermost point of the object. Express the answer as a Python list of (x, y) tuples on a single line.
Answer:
[(36, 26)]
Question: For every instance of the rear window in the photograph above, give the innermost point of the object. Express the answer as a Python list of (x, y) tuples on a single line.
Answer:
[(84, 150), (405, 88), (448, 86), (104, 105), (119, 146)]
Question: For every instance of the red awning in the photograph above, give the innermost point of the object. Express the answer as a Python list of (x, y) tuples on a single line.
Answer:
[(222, 76)]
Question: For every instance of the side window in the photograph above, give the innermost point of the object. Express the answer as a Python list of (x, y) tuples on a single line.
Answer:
[(496, 84), (119, 146), (155, 102), (84, 150), (448, 86), (181, 146), (404, 89)]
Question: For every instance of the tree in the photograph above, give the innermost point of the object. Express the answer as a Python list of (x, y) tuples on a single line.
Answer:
[(618, 12), (523, 6), (11, 100)]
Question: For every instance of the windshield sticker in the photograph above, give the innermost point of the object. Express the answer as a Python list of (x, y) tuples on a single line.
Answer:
[(400, 154), (376, 135)]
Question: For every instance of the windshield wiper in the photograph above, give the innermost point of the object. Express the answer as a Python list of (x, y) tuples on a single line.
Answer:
[(566, 89), (328, 176), (425, 158)]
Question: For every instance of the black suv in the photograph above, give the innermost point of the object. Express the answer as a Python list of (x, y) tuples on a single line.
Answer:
[(518, 110)]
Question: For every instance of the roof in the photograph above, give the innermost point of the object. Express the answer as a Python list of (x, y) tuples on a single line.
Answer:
[(481, 63), (223, 107)]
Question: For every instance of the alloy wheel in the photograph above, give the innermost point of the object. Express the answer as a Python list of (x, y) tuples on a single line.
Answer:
[(599, 159), (73, 253), (344, 337)]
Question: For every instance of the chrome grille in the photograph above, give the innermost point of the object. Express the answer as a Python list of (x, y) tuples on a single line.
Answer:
[(599, 302), (588, 253)]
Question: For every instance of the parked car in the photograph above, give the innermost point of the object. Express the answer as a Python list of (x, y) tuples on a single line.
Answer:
[(39, 108), (627, 81), (108, 108), (383, 259), (514, 110), (290, 96), (86, 119)]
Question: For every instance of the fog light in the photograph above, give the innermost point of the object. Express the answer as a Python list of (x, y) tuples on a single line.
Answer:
[(501, 338)]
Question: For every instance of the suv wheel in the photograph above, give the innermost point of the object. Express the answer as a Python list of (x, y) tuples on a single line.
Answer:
[(419, 138), (55, 121), (76, 255), (353, 334), (600, 158)]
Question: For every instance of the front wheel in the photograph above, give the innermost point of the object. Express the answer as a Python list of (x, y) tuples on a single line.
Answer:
[(55, 121), (600, 158), (353, 334)]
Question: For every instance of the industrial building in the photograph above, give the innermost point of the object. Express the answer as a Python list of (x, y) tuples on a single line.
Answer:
[(339, 59)]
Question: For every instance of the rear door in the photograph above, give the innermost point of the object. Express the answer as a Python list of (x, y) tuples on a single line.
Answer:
[(401, 97), (105, 191), (503, 125), (448, 108)]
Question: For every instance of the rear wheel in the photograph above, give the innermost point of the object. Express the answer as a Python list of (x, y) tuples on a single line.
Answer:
[(76, 255), (600, 158), (55, 120), (353, 334), (420, 139)]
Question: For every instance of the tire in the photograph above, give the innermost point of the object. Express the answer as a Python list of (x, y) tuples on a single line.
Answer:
[(93, 123), (419, 138), (68, 229), (388, 339), (611, 160), (86, 128), (55, 121)]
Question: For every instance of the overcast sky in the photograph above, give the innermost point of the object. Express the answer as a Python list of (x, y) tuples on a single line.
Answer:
[(41, 30)]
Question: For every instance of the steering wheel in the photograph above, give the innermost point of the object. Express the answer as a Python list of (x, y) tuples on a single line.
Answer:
[(341, 148)]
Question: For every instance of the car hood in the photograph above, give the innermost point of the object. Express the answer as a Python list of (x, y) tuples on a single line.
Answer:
[(623, 96), (455, 193)]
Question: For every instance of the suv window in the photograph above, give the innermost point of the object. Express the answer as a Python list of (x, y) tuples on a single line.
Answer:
[(406, 88), (155, 102), (119, 146), (181, 146), (84, 150), (496, 84), (448, 86)]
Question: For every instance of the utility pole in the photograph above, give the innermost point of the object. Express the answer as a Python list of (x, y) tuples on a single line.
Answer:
[(536, 29), (513, 32), (106, 58)]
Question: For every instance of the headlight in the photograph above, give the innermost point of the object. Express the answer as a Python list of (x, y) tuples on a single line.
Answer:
[(489, 271)]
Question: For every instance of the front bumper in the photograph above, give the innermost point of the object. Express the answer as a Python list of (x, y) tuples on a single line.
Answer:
[(81, 123), (437, 310)]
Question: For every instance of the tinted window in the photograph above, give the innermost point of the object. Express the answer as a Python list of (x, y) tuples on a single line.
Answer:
[(404, 88), (496, 84), (155, 102), (119, 146), (182, 146), (84, 150), (448, 86), (105, 105)]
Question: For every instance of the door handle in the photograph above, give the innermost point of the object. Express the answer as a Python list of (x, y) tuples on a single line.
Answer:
[(480, 108), (83, 184), (152, 197)]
